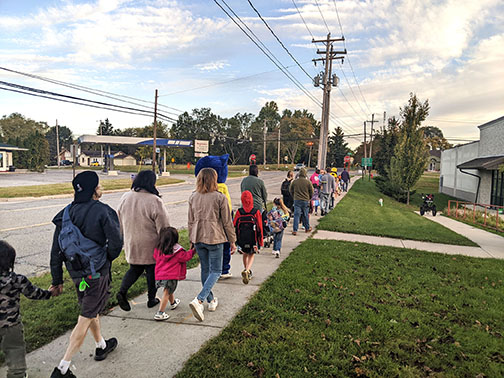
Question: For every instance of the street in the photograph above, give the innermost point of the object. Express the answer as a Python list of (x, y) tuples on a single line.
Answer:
[(27, 226)]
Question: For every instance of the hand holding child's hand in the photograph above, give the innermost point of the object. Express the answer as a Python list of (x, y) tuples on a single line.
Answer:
[(256, 250), (233, 248), (56, 290)]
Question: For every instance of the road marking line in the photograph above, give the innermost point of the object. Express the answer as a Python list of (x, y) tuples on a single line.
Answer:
[(23, 227), (31, 208)]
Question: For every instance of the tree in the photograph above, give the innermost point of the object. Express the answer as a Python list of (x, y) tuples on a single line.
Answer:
[(65, 140), (17, 126), (410, 153), (294, 131), (386, 145), (269, 116), (105, 128), (37, 155), (338, 148), (434, 138), (236, 140)]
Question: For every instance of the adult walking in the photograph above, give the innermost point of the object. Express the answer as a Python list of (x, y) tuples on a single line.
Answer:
[(99, 226), (286, 196), (301, 190), (210, 226), (142, 214), (327, 188), (345, 177), (256, 186)]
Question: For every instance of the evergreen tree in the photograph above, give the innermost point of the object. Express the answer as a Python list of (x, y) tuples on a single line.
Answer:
[(338, 148), (105, 128), (410, 153), (386, 142)]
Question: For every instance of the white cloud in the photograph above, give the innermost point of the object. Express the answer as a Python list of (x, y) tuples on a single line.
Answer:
[(212, 66)]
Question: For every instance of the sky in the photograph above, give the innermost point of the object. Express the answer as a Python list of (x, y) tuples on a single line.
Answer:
[(450, 52)]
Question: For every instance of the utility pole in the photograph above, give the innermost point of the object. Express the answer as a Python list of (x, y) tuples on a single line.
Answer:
[(264, 142), (384, 120), (365, 151), (57, 145), (328, 81), (371, 142), (278, 152), (154, 140), (101, 151)]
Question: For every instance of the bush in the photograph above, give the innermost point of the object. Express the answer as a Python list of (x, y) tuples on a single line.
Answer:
[(388, 188)]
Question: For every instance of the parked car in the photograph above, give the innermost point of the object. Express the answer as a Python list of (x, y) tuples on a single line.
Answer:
[(147, 161), (298, 166), (66, 162), (95, 163)]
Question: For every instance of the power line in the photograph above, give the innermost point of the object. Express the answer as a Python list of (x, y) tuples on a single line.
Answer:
[(90, 90), (304, 22), (353, 93), (323, 18), (278, 39)]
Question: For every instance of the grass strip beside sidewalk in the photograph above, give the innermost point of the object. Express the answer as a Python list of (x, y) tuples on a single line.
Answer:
[(350, 309), (360, 213), (66, 188), (44, 320)]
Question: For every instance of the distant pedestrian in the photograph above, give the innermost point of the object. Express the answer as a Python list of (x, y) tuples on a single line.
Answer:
[(248, 224), (278, 217), (12, 285), (99, 225), (345, 177), (210, 226), (302, 192), (315, 199), (255, 185), (287, 197), (171, 267), (327, 188), (142, 214), (314, 179)]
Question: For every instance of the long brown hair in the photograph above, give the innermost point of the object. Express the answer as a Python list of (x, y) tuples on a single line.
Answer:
[(280, 203), (167, 238), (206, 181)]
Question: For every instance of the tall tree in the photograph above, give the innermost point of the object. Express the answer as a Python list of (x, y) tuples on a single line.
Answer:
[(386, 142), (105, 128), (410, 154), (434, 138), (338, 148), (37, 155), (295, 130), (269, 116), (65, 140), (17, 126)]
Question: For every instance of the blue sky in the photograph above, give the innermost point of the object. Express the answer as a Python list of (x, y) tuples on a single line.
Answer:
[(450, 52)]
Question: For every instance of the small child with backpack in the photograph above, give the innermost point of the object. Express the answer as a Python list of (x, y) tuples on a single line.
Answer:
[(170, 268), (11, 327), (249, 232), (315, 200), (278, 217)]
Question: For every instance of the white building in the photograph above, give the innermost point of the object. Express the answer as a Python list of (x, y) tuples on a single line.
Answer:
[(6, 155), (471, 171)]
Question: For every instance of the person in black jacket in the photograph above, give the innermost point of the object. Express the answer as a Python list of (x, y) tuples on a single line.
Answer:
[(98, 222), (287, 197)]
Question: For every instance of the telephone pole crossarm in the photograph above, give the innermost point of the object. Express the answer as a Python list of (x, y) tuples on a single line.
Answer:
[(328, 40)]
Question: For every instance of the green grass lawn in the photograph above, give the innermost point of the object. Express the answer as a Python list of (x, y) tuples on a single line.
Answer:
[(44, 320), (338, 309), (66, 188), (429, 183), (360, 213)]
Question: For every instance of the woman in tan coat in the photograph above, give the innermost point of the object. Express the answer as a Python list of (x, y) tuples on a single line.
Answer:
[(142, 214), (210, 226)]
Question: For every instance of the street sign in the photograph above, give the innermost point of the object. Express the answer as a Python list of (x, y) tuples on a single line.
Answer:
[(346, 159), (158, 150), (367, 162), (200, 154), (201, 146)]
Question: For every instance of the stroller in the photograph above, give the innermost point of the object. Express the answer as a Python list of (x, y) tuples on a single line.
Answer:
[(267, 232)]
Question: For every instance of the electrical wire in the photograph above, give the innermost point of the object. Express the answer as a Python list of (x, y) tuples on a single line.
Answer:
[(304, 22), (323, 18)]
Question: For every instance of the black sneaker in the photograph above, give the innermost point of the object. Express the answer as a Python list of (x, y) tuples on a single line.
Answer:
[(123, 302), (101, 354), (152, 303), (57, 374)]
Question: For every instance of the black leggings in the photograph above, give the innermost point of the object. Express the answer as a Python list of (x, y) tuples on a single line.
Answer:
[(134, 273)]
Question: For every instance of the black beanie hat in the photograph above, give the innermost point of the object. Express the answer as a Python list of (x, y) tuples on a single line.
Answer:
[(84, 185)]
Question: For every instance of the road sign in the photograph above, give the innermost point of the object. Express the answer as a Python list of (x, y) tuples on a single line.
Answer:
[(346, 159), (201, 146), (158, 150), (367, 162)]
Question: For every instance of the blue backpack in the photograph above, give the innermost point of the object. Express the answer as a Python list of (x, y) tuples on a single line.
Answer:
[(85, 255)]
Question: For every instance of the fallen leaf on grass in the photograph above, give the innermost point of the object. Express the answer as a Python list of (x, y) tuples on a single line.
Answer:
[(328, 322), (356, 359), (297, 291), (246, 334), (359, 371), (250, 364), (357, 342), (369, 329)]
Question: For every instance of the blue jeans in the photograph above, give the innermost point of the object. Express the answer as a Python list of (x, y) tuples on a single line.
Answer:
[(301, 211), (277, 240), (210, 256), (226, 258), (345, 186)]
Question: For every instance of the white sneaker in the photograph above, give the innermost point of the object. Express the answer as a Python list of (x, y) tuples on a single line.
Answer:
[(175, 304), (160, 315), (277, 254), (225, 276), (212, 306), (197, 309)]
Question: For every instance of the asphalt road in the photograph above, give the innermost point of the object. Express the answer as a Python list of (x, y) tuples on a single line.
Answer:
[(27, 226)]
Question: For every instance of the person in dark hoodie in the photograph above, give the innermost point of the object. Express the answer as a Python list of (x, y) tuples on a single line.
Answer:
[(249, 232), (99, 223), (302, 192)]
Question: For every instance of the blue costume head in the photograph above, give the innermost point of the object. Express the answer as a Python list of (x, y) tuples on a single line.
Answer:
[(219, 163)]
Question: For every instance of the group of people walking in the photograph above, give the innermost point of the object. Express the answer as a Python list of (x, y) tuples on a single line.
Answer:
[(141, 225)]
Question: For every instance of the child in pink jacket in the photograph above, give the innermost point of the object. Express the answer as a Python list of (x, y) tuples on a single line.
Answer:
[(171, 267)]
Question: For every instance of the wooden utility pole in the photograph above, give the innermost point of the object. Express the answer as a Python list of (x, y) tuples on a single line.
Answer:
[(264, 142), (328, 82), (365, 151), (371, 142), (57, 144), (278, 152), (384, 120), (155, 126)]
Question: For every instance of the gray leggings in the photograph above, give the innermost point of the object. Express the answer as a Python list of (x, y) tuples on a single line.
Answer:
[(13, 346)]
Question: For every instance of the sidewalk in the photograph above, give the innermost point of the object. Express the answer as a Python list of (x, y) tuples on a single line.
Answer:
[(150, 348)]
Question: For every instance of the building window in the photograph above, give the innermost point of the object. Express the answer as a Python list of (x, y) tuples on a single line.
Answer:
[(1, 159), (497, 197)]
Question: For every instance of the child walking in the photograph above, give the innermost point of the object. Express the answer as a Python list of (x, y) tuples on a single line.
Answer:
[(278, 217), (249, 233), (11, 327), (315, 199), (171, 268)]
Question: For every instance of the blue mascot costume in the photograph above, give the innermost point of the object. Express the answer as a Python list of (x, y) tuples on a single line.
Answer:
[(220, 164)]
